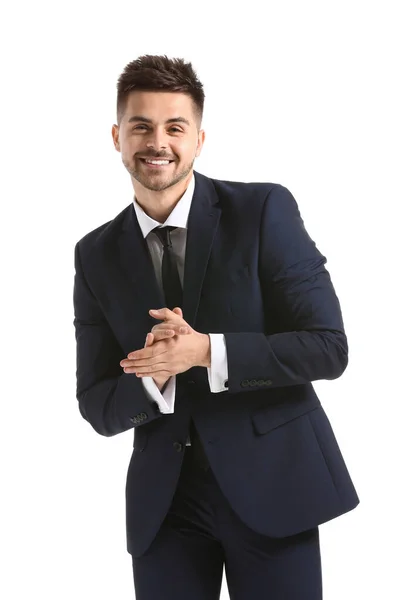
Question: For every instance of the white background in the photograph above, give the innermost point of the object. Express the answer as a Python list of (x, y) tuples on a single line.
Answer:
[(303, 94)]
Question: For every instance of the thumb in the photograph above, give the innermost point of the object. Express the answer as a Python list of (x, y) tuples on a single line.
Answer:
[(178, 311)]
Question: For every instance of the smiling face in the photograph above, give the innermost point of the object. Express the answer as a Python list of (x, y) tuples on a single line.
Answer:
[(158, 125)]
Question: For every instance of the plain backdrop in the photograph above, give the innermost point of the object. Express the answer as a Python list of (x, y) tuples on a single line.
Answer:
[(299, 93)]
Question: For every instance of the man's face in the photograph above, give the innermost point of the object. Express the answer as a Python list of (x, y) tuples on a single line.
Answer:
[(158, 125)]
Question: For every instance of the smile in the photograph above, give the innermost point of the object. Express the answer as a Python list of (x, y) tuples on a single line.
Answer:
[(154, 163)]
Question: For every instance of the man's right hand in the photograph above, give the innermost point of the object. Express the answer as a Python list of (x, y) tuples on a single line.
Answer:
[(161, 333)]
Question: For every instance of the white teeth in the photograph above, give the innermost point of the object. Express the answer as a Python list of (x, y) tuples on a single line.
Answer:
[(158, 162)]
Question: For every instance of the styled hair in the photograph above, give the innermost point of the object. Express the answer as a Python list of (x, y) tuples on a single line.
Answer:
[(160, 73)]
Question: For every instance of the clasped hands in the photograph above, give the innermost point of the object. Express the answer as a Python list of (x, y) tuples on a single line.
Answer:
[(171, 347)]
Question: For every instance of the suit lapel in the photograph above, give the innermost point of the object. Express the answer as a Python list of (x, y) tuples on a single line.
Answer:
[(132, 276), (203, 223)]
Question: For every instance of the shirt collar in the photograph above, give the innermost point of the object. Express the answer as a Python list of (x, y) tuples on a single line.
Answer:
[(178, 217)]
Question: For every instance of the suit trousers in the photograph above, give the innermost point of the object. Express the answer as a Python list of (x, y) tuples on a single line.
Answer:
[(201, 535)]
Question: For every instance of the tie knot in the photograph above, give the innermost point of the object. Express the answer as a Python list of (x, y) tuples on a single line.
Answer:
[(163, 233)]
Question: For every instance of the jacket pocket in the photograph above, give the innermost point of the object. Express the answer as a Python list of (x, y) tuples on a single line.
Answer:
[(273, 416), (140, 439)]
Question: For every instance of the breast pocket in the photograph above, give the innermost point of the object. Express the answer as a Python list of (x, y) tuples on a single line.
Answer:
[(238, 273), (227, 287)]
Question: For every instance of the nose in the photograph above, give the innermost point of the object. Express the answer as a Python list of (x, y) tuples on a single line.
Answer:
[(157, 140)]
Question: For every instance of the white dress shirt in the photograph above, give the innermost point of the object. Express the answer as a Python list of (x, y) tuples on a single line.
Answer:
[(218, 372)]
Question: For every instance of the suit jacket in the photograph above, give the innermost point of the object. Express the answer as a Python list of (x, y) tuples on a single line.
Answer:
[(253, 273)]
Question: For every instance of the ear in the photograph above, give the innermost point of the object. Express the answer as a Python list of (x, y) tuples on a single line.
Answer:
[(115, 136), (200, 142)]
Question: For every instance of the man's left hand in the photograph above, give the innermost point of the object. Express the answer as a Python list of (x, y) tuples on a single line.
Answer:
[(170, 356)]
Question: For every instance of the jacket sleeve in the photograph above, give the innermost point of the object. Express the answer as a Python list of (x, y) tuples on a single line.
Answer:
[(312, 344), (109, 399)]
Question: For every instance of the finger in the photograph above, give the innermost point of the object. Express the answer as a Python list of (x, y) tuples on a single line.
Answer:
[(165, 374), (163, 327), (149, 354), (146, 367), (161, 313), (175, 327), (166, 313), (162, 334), (149, 340)]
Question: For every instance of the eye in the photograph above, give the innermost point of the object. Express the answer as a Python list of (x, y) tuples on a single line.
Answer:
[(173, 129)]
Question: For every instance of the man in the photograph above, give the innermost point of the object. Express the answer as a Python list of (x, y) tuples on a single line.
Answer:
[(234, 462)]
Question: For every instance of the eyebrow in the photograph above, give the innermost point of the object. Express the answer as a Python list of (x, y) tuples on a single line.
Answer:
[(136, 118)]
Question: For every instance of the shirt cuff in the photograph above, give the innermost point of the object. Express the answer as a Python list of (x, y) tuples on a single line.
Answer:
[(165, 400), (218, 372)]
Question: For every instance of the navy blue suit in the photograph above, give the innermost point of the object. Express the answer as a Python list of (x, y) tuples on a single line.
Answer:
[(253, 273)]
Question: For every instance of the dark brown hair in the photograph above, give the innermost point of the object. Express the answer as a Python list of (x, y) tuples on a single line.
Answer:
[(152, 73)]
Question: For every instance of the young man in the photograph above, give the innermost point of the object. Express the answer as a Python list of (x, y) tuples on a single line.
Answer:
[(234, 462)]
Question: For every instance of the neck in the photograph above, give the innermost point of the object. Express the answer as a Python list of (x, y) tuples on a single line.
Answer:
[(159, 204)]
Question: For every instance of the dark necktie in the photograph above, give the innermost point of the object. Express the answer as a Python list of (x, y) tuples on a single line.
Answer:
[(170, 276), (173, 297)]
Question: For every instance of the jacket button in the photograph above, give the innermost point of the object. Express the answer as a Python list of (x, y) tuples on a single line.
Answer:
[(178, 446)]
